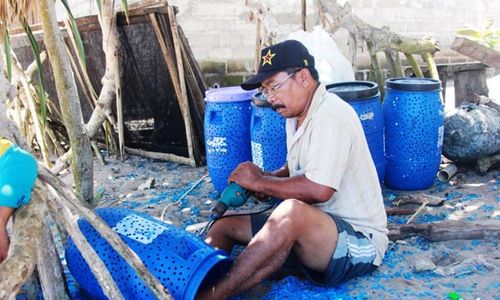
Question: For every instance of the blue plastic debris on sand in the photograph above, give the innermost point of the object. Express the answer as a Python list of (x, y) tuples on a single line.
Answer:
[(453, 195), (427, 218), (488, 207), (470, 197), (293, 288)]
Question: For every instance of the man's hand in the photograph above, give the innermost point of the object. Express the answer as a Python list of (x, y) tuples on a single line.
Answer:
[(246, 174)]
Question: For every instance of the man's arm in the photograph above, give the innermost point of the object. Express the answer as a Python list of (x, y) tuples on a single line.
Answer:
[(251, 177), (5, 213), (281, 172)]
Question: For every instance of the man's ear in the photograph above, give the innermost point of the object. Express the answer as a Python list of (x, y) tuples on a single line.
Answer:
[(304, 77)]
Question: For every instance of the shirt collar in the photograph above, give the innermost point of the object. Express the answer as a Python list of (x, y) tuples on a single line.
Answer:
[(316, 101)]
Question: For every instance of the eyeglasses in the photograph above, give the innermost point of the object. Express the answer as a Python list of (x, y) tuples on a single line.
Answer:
[(268, 92)]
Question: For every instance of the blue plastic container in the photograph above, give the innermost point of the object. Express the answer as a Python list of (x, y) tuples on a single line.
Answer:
[(414, 122), (364, 97), (178, 259), (267, 135), (227, 132)]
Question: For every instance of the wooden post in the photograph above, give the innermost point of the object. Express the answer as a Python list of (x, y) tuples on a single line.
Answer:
[(414, 65), (304, 7), (427, 57), (174, 76), (375, 68), (183, 101), (119, 110), (468, 83)]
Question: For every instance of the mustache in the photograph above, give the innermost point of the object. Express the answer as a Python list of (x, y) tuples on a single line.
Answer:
[(277, 106)]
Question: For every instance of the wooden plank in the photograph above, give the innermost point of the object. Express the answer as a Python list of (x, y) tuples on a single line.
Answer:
[(477, 51), (303, 11), (119, 110), (449, 230), (183, 101), (159, 156)]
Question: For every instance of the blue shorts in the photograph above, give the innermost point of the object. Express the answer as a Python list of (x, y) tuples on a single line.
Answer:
[(353, 256)]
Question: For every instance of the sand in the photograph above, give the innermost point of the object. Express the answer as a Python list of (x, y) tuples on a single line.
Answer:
[(469, 268)]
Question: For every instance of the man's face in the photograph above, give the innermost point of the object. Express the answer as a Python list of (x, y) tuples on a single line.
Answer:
[(284, 93)]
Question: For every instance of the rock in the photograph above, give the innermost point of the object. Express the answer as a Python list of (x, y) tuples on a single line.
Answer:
[(186, 212), (148, 184), (470, 120), (424, 264)]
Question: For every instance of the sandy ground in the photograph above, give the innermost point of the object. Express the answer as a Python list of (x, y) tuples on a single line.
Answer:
[(470, 268), (413, 268)]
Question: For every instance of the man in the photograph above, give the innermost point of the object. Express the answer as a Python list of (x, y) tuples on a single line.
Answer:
[(332, 217), (18, 173)]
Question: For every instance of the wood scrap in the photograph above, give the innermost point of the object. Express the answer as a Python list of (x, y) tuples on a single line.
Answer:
[(419, 198), (449, 230), (397, 211)]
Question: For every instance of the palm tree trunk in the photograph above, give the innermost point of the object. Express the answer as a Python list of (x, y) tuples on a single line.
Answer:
[(81, 163)]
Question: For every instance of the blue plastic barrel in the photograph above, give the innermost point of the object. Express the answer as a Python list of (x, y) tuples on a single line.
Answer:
[(267, 135), (414, 122), (364, 97), (178, 259), (227, 132)]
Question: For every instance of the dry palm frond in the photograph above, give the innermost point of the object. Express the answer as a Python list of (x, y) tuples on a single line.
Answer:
[(13, 12)]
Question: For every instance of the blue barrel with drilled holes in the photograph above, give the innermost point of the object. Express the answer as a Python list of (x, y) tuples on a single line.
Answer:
[(267, 135), (227, 132), (414, 125), (364, 97), (181, 261)]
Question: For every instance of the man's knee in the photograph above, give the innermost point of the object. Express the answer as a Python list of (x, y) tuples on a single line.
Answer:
[(287, 215), (289, 208), (237, 229)]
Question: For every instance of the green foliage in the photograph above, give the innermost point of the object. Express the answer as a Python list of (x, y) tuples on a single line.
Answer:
[(76, 34), (6, 48), (485, 35), (125, 8), (99, 6), (41, 88)]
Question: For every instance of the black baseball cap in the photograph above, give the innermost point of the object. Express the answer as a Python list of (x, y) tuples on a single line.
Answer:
[(277, 58)]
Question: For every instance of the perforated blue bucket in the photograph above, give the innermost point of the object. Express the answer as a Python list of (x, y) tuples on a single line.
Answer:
[(227, 132), (178, 259), (267, 134), (364, 97), (414, 120)]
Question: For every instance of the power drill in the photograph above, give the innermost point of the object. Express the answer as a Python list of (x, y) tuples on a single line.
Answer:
[(232, 196)]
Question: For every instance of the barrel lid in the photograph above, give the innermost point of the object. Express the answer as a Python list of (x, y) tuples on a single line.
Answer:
[(354, 90), (417, 84), (260, 100), (228, 94)]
